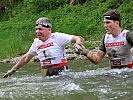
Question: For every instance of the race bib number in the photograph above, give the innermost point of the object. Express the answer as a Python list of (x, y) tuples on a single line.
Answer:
[(46, 62), (116, 62)]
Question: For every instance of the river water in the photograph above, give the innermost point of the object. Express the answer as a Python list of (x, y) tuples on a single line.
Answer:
[(83, 81)]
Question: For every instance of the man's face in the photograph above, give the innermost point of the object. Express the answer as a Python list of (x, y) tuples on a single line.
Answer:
[(42, 32), (109, 26)]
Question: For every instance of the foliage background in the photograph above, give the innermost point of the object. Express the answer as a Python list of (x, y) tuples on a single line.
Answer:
[(17, 21)]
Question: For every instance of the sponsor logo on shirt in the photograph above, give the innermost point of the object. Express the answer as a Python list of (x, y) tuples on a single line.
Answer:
[(115, 44), (45, 45)]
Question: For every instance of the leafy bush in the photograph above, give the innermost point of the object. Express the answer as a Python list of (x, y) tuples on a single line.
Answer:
[(17, 26), (41, 5)]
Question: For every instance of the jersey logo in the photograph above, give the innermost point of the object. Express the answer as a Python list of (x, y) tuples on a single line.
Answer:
[(114, 44), (45, 45)]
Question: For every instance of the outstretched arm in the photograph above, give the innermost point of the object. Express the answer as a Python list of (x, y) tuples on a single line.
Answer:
[(95, 57), (77, 40), (24, 60)]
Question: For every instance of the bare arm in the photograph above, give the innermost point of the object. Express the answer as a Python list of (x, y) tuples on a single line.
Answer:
[(77, 40), (95, 57), (24, 60)]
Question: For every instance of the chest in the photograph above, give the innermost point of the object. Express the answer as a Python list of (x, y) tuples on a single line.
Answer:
[(117, 46)]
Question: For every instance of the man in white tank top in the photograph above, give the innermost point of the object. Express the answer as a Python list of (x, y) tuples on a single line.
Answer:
[(49, 47), (116, 43)]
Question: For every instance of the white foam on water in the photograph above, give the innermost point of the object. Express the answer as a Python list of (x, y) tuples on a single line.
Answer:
[(67, 88), (63, 85), (1, 93), (71, 87), (27, 85), (58, 85), (100, 71), (102, 89)]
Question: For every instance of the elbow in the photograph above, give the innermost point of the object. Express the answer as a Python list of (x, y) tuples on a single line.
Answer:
[(95, 62), (25, 59)]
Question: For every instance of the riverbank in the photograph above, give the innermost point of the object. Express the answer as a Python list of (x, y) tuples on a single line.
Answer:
[(71, 55)]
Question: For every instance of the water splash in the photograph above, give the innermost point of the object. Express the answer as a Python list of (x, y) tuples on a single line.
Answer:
[(1, 93), (101, 71), (101, 81)]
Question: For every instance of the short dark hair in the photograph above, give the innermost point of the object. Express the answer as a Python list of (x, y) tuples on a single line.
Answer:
[(113, 15)]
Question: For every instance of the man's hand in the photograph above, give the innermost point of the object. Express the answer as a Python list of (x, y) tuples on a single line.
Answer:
[(9, 73), (80, 49)]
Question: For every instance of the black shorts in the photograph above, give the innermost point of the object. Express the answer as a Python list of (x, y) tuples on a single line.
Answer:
[(55, 71)]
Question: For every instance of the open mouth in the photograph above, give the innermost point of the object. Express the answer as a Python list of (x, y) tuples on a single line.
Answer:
[(106, 30)]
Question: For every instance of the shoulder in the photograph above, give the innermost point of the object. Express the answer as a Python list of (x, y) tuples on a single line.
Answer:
[(129, 33), (129, 37), (36, 41), (104, 37), (102, 44), (62, 35), (58, 33)]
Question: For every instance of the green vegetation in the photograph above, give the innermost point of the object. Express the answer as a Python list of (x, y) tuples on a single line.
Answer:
[(17, 21)]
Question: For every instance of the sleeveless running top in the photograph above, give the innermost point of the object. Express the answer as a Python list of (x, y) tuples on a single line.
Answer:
[(118, 49)]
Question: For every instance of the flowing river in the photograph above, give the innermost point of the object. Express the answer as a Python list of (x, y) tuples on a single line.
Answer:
[(83, 81)]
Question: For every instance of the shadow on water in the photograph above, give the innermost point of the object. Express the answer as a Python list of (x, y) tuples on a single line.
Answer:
[(83, 81)]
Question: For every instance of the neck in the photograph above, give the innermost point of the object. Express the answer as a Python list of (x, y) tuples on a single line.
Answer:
[(46, 38), (115, 33)]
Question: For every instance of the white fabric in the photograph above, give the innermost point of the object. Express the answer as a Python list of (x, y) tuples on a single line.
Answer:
[(118, 49), (52, 49)]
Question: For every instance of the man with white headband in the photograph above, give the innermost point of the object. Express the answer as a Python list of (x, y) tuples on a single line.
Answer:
[(116, 43), (50, 49)]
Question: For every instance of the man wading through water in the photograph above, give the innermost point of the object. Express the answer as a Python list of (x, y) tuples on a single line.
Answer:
[(50, 49), (116, 43)]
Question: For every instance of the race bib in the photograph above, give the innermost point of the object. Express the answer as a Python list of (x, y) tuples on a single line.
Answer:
[(46, 62), (116, 62)]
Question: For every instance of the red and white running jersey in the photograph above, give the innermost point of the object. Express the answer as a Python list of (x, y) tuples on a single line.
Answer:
[(52, 51)]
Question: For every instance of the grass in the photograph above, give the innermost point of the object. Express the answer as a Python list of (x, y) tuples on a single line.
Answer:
[(17, 24)]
